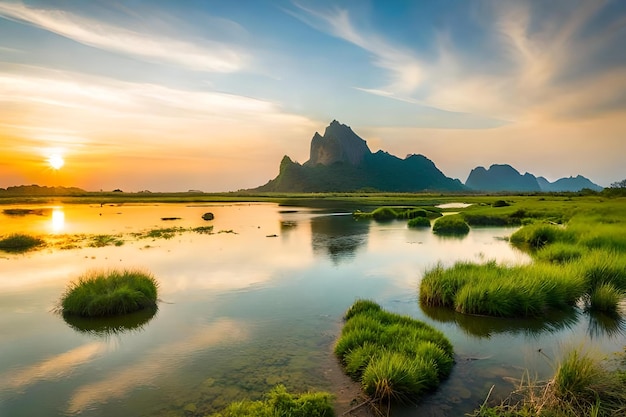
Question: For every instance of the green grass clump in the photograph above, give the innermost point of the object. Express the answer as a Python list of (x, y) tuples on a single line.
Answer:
[(100, 241), (605, 298), (418, 222), (537, 235), (395, 358), (560, 253), (502, 291), (98, 293), (280, 403), (19, 242), (581, 386), (491, 219), (382, 214), (451, 225)]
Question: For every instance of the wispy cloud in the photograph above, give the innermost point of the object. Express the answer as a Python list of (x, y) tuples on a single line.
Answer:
[(204, 56), (534, 54), (405, 70)]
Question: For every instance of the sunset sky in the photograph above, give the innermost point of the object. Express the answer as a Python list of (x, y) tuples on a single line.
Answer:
[(175, 95)]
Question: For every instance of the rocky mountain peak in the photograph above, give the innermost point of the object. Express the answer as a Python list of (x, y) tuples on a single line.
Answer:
[(339, 144)]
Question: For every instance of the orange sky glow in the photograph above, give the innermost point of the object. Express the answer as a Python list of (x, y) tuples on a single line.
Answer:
[(172, 97)]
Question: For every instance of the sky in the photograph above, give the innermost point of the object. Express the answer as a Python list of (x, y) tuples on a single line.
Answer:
[(209, 95)]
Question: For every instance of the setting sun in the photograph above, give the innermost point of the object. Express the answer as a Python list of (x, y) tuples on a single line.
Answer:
[(56, 161)]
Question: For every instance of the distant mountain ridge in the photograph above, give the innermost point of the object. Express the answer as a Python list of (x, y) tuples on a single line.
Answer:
[(340, 160), (503, 177)]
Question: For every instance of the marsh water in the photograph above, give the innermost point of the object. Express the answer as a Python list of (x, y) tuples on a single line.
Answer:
[(255, 303)]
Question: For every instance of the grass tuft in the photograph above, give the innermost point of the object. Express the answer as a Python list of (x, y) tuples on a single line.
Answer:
[(19, 242), (99, 294), (280, 403), (451, 225), (395, 358), (418, 222)]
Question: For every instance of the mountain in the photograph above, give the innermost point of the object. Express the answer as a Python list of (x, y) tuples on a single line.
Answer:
[(341, 161), (506, 178), (568, 184), (501, 178), (30, 190)]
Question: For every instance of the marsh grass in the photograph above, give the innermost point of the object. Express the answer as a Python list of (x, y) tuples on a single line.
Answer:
[(162, 233), (18, 212), (100, 241), (560, 253), (395, 358), (388, 213), (418, 222), (537, 235), (604, 298), (451, 225), (502, 291), (109, 293), (581, 386), (203, 230), (20, 242), (280, 403)]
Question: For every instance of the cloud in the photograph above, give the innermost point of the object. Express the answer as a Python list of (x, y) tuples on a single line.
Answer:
[(524, 68), (204, 56), (405, 70)]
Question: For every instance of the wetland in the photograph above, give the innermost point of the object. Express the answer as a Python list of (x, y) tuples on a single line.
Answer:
[(254, 299)]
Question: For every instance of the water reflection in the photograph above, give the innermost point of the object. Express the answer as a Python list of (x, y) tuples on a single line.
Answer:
[(156, 363), (486, 327), (108, 326), (338, 236), (58, 220), (52, 368), (602, 325)]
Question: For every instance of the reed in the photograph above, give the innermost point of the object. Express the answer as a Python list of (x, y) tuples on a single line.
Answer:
[(581, 386)]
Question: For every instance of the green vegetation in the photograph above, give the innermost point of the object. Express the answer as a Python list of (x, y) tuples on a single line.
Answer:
[(502, 291), (161, 233), (387, 213), (419, 222), (20, 242), (280, 403), (18, 212), (451, 225), (581, 387), (581, 261), (203, 230), (396, 358), (110, 293), (100, 241)]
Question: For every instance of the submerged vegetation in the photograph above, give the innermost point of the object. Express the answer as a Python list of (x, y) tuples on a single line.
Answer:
[(280, 403), (395, 358), (581, 386), (20, 242), (110, 293)]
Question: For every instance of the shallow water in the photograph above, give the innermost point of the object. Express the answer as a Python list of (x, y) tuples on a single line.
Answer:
[(256, 303)]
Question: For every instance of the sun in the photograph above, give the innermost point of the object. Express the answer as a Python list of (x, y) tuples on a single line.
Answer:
[(56, 161)]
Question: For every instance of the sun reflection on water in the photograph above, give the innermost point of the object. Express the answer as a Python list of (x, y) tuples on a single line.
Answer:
[(58, 220)]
